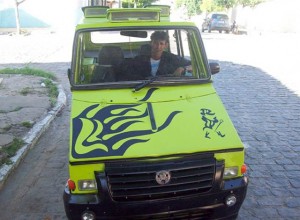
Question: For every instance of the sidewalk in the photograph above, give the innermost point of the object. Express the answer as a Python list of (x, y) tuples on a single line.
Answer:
[(23, 100), (25, 113)]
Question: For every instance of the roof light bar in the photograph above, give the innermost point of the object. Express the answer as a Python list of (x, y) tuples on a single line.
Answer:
[(95, 11), (133, 14), (165, 9)]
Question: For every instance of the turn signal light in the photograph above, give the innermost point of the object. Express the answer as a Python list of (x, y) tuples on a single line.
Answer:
[(71, 184), (243, 169)]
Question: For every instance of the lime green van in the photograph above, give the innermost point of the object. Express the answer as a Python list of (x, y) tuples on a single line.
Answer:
[(148, 146)]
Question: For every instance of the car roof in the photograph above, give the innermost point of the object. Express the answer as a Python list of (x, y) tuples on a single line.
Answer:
[(103, 17), (222, 14)]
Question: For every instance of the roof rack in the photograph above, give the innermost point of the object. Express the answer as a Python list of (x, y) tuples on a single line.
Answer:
[(95, 11), (133, 14), (165, 9)]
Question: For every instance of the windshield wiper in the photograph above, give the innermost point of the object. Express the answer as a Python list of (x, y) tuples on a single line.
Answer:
[(145, 83)]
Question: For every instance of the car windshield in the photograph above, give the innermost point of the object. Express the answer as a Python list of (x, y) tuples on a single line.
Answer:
[(120, 57), (220, 16)]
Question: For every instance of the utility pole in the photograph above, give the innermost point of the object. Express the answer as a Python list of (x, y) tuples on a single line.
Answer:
[(18, 26)]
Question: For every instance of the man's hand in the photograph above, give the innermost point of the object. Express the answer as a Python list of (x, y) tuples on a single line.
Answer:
[(179, 71)]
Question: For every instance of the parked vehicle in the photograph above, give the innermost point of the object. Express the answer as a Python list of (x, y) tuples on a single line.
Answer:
[(161, 147), (216, 22)]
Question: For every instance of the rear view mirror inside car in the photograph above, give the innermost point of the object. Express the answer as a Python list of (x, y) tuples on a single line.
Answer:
[(140, 34)]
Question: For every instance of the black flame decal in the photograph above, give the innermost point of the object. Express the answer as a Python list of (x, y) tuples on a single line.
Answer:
[(149, 93), (112, 129)]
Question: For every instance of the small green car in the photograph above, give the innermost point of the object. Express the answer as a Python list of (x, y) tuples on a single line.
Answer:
[(149, 137)]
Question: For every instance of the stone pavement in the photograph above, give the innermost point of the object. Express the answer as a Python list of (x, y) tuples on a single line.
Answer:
[(25, 112), (266, 114), (261, 90)]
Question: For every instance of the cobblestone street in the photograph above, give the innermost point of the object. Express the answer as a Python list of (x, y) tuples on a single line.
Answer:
[(260, 90), (266, 115), (263, 104)]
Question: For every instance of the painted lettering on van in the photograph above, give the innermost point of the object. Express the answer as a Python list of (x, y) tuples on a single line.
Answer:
[(211, 123)]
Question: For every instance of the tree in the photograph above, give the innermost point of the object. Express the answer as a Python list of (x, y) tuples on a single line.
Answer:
[(192, 6), (250, 3), (220, 5), (209, 6), (226, 3), (231, 3), (136, 3), (17, 3)]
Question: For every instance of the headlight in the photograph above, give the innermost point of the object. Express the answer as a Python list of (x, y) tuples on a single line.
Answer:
[(230, 200), (87, 185), (88, 215), (230, 172)]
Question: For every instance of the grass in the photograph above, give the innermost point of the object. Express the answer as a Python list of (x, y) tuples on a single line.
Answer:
[(52, 88), (25, 91), (14, 147), (27, 124), (28, 71), (7, 128), (11, 150)]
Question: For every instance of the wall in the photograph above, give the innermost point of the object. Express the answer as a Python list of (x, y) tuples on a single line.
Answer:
[(59, 14), (271, 16)]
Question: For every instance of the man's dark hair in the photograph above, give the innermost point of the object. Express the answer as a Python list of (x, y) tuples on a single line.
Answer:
[(160, 35)]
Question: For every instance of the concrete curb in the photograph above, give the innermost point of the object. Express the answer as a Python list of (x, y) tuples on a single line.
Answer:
[(33, 136)]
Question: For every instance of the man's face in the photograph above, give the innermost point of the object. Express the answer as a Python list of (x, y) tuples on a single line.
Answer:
[(158, 46)]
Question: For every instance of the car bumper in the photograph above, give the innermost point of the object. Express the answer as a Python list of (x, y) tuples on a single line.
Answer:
[(209, 205), (220, 28)]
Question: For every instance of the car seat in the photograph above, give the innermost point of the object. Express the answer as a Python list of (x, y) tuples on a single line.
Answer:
[(145, 50), (109, 60)]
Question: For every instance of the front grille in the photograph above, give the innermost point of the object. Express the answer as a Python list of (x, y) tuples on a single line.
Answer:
[(135, 181)]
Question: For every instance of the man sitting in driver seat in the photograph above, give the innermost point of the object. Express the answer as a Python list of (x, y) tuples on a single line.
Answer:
[(157, 61)]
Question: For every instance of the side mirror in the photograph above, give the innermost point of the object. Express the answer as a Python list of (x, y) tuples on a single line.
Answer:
[(214, 68), (69, 74)]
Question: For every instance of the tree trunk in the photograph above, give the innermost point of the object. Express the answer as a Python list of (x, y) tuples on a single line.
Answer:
[(17, 18)]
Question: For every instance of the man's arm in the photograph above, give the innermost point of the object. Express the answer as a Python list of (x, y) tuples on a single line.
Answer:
[(173, 64)]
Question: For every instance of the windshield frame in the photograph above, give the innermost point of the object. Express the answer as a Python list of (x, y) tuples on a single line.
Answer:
[(160, 81)]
